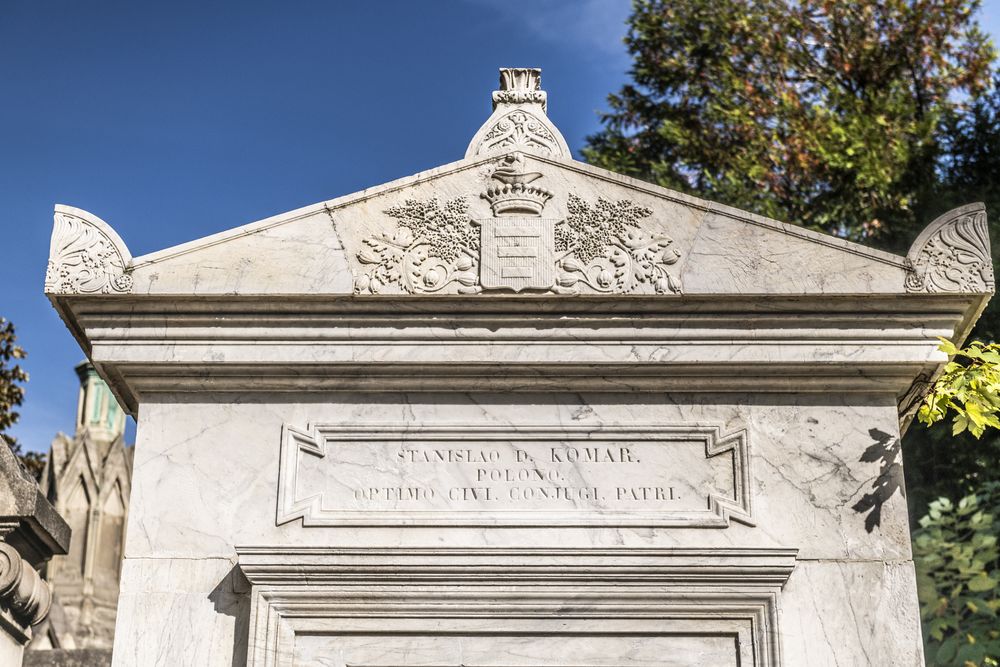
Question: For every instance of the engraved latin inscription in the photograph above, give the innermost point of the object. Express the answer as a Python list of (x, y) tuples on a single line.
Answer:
[(510, 475), (655, 475)]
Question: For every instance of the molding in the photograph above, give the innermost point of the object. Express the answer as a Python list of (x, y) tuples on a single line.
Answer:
[(952, 254), (86, 256), (275, 565), (316, 592), (304, 447)]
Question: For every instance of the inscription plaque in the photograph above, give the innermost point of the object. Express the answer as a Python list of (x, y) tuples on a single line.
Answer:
[(464, 475)]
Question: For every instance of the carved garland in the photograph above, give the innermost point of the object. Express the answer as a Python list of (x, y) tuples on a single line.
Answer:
[(606, 250), (433, 246), (83, 260)]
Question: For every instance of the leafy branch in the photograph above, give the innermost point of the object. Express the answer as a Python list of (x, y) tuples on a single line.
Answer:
[(11, 393), (969, 386)]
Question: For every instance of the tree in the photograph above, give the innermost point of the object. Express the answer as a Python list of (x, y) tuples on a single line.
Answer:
[(940, 463), (817, 112), (958, 579), (12, 394)]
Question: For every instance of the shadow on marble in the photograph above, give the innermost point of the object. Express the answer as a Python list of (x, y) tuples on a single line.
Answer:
[(232, 598), (887, 452)]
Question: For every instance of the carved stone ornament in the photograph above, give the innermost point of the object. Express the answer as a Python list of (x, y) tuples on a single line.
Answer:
[(601, 247), (952, 254), (519, 121), (519, 130), (86, 256)]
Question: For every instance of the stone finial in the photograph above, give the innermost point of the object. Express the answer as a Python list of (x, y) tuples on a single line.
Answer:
[(520, 85), (519, 121)]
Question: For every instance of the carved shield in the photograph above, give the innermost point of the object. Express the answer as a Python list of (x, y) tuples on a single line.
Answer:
[(517, 253)]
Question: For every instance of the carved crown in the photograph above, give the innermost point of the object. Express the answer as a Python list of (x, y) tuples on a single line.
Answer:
[(514, 193)]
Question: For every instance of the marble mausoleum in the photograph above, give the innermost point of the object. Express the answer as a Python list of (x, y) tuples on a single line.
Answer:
[(519, 411)]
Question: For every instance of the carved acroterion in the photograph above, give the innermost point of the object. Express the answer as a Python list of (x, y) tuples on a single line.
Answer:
[(86, 256), (952, 254)]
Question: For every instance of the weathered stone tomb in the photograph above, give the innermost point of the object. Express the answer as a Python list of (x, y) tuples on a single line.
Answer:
[(518, 411)]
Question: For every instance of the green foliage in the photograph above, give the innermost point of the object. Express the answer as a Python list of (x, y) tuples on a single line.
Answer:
[(958, 574), (969, 387), (11, 393), (817, 112)]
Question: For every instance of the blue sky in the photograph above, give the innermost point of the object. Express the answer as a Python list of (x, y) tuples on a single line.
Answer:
[(175, 120)]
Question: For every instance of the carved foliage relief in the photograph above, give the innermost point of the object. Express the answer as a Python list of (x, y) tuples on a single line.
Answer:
[(432, 247), (602, 246), (83, 260)]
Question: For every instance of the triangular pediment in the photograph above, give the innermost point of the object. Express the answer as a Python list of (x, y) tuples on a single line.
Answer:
[(517, 215), (568, 228)]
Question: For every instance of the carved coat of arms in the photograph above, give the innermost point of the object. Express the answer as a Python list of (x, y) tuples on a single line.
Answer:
[(597, 248), (517, 247)]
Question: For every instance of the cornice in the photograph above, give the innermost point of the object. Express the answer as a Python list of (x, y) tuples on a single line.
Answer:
[(300, 591), (869, 343), (274, 565)]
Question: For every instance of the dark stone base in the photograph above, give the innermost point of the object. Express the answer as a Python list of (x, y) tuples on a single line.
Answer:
[(72, 657)]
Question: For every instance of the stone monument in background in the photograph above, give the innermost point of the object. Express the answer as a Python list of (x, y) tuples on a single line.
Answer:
[(518, 411), (87, 478), (30, 534)]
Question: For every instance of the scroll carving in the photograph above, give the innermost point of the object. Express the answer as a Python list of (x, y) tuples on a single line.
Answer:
[(86, 257), (952, 254), (433, 246), (22, 590)]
